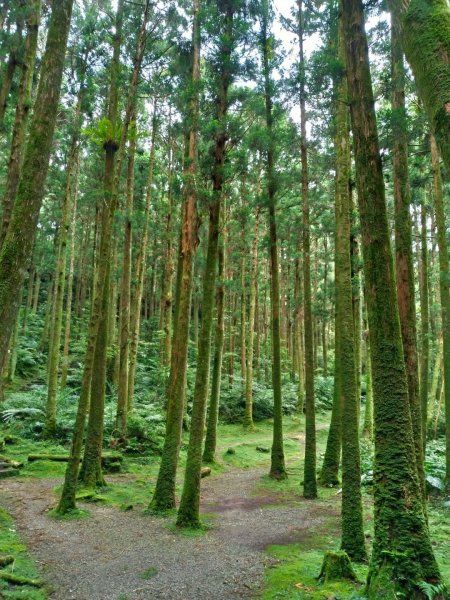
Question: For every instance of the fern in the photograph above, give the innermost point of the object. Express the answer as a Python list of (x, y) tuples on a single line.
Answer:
[(11, 414), (432, 591)]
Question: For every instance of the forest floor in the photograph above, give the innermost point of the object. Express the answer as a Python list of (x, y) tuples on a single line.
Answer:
[(262, 539)]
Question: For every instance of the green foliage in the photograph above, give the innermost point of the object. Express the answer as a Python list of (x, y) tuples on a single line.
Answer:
[(104, 132), (22, 566), (432, 591)]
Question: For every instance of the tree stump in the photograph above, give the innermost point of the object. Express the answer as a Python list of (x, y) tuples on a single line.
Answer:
[(336, 566)]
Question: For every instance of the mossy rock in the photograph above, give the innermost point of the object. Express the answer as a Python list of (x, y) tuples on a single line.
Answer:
[(10, 472), (113, 467), (336, 566)]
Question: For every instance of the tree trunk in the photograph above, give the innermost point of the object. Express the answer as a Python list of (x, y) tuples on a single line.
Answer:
[(309, 482), (353, 541), (213, 410), (164, 494), (141, 261), (444, 279), (403, 244), (21, 117), (425, 324), (60, 272), (402, 552), (277, 465), (248, 419), (125, 293), (19, 241), (425, 34)]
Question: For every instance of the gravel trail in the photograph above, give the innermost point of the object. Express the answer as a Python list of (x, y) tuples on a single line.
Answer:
[(108, 556)]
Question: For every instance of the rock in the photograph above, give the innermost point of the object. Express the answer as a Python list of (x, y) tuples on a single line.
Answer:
[(435, 486), (205, 472), (6, 560), (262, 449), (336, 566), (10, 440), (10, 472)]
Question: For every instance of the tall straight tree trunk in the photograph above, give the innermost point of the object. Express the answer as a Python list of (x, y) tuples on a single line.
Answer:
[(444, 275), (425, 323), (424, 27), (125, 293), (60, 272), (68, 322), (403, 243), (189, 511), (248, 419), (141, 261), (367, 429), (91, 472), (166, 292), (402, 552), (352, 515), (67, 500), (309, 480), (164, 494), (213, 410), (21, 116), (277, 465), (18, 245), (10, 68)]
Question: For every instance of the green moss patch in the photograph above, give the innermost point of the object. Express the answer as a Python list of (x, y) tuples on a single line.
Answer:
[(22, 565)]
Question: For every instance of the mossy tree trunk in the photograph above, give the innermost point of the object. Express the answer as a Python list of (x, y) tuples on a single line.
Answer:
[(309, 480), (23, 107), (213, 410), (402, 553), (125, 294), (424, 27), (11, 65), (105, 222), (18, 244), (444, 282), (248, 419), (139, 275), (91, 472), (352, 540), (60, 271), (367, 428), (277, 465), (164, 495), (69, 296), (403, 242), (425, 323), (189, 511)]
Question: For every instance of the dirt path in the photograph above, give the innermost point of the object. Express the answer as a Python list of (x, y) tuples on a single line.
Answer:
[(106, 556)]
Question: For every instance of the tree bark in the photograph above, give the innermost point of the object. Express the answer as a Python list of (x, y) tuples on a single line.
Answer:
[(19, 241), (402, 552)]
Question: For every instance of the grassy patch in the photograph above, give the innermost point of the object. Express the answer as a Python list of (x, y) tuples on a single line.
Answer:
[(149, 573), (294, 577), (23, 565), (75, 514), (207, 523)]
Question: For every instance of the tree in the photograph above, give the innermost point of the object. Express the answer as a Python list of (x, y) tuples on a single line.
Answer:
[(164, 495), (424, 26), (277, 466), (309, 481), (18, 244), (402, 554)]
